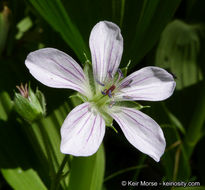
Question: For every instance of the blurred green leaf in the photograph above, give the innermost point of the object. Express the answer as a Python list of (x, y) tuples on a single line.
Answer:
[(175, 157), (23, 179), (24, 25), (124, 171), (146, 23), (173, 119), (178, 51), (5, 105), (46, 133), (55, 14), (195, 128), (88, 172), (4, 26)]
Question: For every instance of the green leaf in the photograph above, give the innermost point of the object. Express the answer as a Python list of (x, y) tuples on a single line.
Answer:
[(4, 26), (5, 105), (173, 119), (20, 179), (146, 25), (47, 134), (178, 52), (55, 14), (88, 172), (175, 157)]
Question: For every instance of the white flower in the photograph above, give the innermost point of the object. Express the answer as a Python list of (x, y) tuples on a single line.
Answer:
[(83, 130)]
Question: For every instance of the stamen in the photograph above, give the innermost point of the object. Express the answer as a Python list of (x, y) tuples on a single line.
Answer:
[(23, 90), (110, 74), (110, 93), (99, 83), (120, 73), (104, 92)]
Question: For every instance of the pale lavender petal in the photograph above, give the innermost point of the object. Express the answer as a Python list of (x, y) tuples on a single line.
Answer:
[(56, 69), (141, 131), (148, 83), (106, 45), (82, 131)]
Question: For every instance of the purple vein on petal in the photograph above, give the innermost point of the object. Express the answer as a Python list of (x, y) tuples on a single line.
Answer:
[(100, 125), (129, 90), (141, 98), (101, 71), (76, 68), (69, 85), (118, 121), (78, 119), (134, 113), (96, 63), (144, 126), (116, 58), (103, 59), (136, 82), (66, 70), (76, 111), (91, 129), (136, 120), (110, 54), (84, 123), (132, 119)]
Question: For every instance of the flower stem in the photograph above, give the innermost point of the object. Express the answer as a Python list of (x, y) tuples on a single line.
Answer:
[(59, 175)]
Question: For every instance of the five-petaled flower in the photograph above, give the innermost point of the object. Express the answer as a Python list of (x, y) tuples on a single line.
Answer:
[(83, 130)]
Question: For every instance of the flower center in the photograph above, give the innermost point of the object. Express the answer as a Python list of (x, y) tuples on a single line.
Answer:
[(111, 84), (108, 89)]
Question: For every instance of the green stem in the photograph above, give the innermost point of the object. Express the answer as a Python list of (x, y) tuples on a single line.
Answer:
[(47, 146), (59, 174), (123, 171), (140, 162), (195, 128)]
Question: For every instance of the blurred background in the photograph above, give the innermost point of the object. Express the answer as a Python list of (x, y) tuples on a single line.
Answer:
[(165, 33)]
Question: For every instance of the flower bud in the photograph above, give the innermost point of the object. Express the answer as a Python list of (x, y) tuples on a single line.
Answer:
[(29, 105)]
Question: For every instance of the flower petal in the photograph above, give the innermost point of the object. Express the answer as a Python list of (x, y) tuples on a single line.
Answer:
[(56, 69), (149, 83), (106, 45), (82, 131), (141, 131)]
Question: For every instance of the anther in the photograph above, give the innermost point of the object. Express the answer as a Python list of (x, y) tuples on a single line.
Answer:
[(99, 83), (120, 73), (110, 93), (104, 92)]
